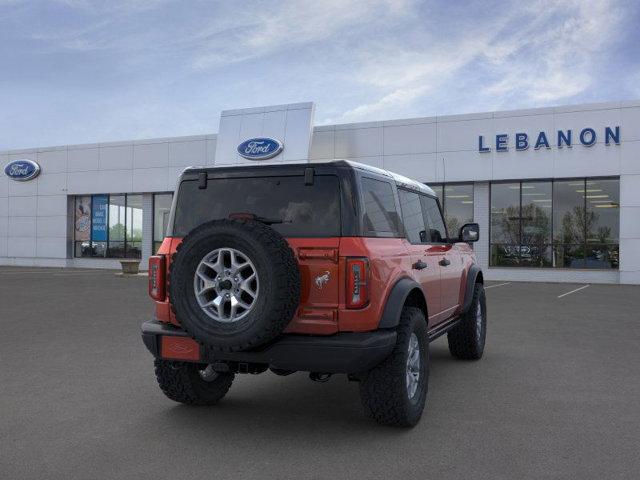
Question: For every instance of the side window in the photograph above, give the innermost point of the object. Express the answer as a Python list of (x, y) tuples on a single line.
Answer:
[(436, 230), (380, 215), (412, 216)]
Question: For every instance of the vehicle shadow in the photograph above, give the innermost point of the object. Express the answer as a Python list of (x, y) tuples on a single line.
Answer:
[(267, 405)]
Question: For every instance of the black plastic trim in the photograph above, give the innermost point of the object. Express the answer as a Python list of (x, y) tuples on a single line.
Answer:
[(154, 327), (442, 328), (151, 342), (395, 302), (340, 353), (472, 276)]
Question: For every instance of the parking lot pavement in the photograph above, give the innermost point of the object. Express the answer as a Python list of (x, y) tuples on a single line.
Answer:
[(556, 395)]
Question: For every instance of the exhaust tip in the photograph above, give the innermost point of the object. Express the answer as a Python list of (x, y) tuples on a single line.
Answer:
[(320, 377)]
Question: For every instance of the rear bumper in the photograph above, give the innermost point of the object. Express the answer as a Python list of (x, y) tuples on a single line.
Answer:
[(339, 353)]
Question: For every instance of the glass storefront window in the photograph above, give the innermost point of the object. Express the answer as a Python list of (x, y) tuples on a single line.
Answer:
[(161, 210), (536, 200), (117, 219), (505, 224), (603, 223), (134, 226), (568, 223), (563, 224), (108, 226)]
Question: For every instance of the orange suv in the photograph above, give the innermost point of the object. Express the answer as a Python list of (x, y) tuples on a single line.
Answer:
[(325, 268)]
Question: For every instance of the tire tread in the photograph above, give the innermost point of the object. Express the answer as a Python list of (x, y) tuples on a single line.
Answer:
[(462, 339), (383, 389), (177, 384)]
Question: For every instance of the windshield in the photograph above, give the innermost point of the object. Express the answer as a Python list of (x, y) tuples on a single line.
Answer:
[(291, 208)]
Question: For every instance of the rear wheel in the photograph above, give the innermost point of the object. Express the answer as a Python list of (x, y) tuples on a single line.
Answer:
[(395, 392), (192, 383), (466, 340)]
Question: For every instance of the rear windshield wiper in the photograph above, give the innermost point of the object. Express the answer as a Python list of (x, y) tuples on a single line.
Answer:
[(255, 218)]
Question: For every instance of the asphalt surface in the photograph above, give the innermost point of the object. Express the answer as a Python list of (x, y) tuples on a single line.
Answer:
[(555, 396)]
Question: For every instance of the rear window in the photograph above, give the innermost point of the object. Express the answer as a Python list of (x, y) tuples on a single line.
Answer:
[(296, 209)]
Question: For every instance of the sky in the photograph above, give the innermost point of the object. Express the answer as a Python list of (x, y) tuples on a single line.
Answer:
[(79, 71)]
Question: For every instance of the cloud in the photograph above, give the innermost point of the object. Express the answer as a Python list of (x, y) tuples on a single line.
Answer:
[(255, 33), (398, 98), (541, 53), (552, 60), (406, 76)]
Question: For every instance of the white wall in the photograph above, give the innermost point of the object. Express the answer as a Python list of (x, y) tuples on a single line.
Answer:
[(290, 124), (33, 215)]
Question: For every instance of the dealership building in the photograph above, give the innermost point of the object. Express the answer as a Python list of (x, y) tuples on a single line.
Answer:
[(556, 190)]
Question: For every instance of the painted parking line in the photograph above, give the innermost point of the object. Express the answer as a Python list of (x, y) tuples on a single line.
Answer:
[(497, 285), (573, 291), (56, 273), (71, 274), (34, 272)]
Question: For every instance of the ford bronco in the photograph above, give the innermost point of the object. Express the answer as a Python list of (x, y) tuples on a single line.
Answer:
[(324, 268)]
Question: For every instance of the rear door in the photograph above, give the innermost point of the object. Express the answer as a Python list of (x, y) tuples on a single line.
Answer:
[(425, 265), (307, 212)]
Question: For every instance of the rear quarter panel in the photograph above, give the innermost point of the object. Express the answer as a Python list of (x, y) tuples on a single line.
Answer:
[(389, 261)]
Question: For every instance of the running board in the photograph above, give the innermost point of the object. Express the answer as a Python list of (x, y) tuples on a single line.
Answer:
[(442, 328)]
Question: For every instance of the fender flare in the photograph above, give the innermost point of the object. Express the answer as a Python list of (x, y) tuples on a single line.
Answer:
[(393, 308), (474, 275)]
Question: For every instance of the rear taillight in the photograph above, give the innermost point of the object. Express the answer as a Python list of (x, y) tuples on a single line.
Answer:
[(157, 277), (357, 282)]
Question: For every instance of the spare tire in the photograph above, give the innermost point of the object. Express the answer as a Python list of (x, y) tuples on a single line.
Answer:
[(234, 284)]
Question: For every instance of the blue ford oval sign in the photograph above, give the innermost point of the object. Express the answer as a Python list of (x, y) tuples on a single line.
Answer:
[(22, 170), (260, 148)]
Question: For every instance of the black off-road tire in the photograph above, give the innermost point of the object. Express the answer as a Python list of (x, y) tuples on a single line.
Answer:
[(181, 382), (467, 339), (279, 288), (383, 390)]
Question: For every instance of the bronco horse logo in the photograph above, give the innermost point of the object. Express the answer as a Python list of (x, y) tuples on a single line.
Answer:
[(321, 280)]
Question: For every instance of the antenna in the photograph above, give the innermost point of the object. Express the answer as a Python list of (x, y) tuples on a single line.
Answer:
[(444, 171)]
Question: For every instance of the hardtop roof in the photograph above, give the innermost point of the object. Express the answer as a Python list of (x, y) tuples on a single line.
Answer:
[(400, 180)]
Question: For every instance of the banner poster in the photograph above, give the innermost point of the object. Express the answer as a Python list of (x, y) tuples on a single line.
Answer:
[(83, 219), (99, 218)]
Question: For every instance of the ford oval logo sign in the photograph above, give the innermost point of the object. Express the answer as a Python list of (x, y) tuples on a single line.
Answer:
[(260, 148), (22, 170)]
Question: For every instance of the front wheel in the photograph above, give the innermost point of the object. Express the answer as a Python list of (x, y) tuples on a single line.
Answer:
[(192, 383), (394, 392), (466, 340)]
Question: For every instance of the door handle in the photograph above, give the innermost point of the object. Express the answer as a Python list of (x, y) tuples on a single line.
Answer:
[(419, 265), (444, 262)]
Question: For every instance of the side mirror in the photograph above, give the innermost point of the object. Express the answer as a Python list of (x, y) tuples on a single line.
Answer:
[(423, 236), (470, 232)]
